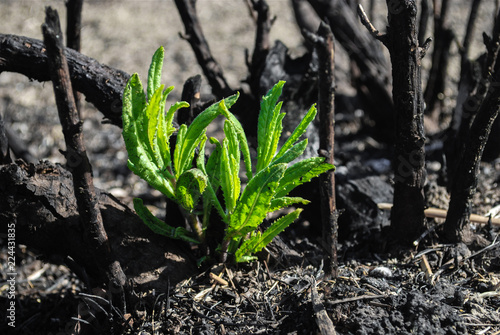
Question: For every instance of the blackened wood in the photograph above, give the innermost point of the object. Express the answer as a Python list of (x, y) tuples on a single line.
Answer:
[(191, 93), (40, 201), (102, 85), (74, 24), (456, 227), (424, 19), (469, 31), (19, 147), (194, 35), (73, 32), (262, 44), (407, 216), (76, 155), (323, 321), (443, 37), (472, 92), (326, 94), (4, 144), (373, 80)]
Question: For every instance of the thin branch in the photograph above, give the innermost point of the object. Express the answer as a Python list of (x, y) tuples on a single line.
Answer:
[(194, 35), (324, 44), (76, 156), (366, 22), (102, 85)]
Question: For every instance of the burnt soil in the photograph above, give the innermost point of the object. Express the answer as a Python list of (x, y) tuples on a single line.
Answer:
[(432, 288)]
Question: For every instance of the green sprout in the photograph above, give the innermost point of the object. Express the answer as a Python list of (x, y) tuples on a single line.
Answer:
[(193, 181)]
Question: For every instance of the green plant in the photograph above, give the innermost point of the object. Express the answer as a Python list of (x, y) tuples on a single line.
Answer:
[(188, 180)]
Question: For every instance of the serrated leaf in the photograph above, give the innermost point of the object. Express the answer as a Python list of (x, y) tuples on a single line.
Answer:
[(292, 153), (258, 241), (230, 168), (242, 139), (300, 173), (255, 201), (160, 227), (269, 126), (152, 112), (141, 160), (154, 73), (189, 188), (279, 203), (186, 148), (298, 131)]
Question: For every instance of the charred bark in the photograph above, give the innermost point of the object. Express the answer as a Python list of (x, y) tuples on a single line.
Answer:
[(401, 39), (464, 183), (73, 32), (4, 144), (102, 85), (40, 202), (194, 35), (76, 155), (324, 45), (373, 81), (443, 36)]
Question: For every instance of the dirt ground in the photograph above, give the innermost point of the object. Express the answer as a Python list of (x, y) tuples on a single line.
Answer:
[(375, 293)]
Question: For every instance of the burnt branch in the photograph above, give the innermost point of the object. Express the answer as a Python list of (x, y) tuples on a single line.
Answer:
[(326, 108), (4, 144), (407, 216), (73, 32), (371, 76), (76, 155), (443, 37), (469, 31), (194, 35), (464, 183), (262, 43), (102, 85)]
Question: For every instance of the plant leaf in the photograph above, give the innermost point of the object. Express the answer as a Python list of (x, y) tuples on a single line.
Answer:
[(269, 126), (160, 227), (279, 203), (154, 73), (292, 153), (258, 241), (190, 185), (230, 168), (300, 173), (185, 149), (141, 160), (255, 200), (298, 131), (242, 139)]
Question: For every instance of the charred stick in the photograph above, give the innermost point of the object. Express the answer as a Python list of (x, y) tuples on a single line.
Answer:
[(262, 43), (324, 45), (469, 31), (424, 19), (76, 155), (194, 35), (102, 85), (463, 187), (73, 32), (4, 145)]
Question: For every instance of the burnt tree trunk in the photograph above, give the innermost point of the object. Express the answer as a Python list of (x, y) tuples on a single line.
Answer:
[(407, 215)]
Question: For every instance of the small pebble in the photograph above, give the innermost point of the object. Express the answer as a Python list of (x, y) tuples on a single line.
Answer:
[(381, 272)]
